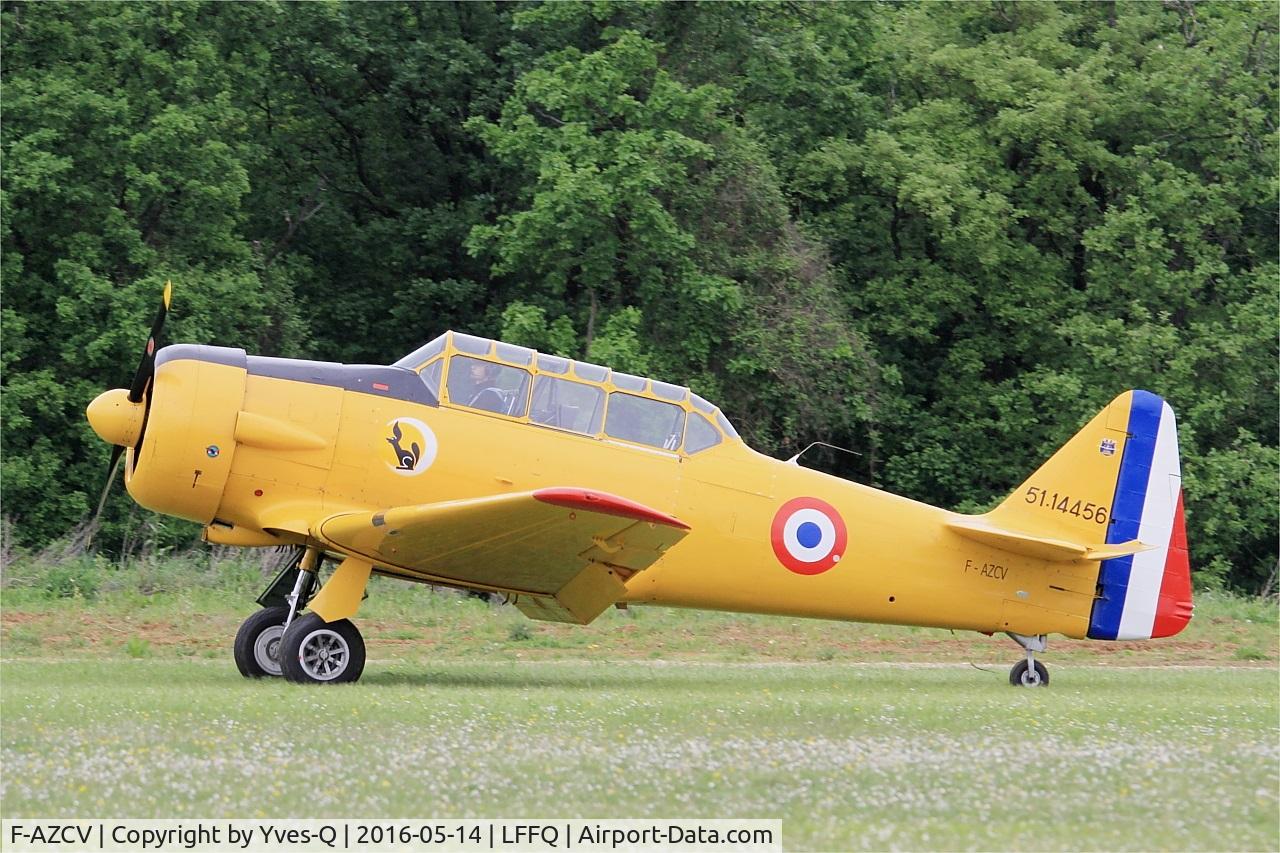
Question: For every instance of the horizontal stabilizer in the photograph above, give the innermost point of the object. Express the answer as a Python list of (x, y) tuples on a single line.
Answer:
[(1040, 547)]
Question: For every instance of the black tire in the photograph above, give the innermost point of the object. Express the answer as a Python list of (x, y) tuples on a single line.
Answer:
[(258, 640), (1020, 676), (317, 652)]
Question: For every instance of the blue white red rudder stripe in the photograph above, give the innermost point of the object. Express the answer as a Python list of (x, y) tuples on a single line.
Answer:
[(1147, 594)]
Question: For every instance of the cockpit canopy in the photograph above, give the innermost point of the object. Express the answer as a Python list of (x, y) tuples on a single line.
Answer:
[(515, 382)]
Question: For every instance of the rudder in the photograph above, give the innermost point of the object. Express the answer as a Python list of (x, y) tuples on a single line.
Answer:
[(1147, 594)]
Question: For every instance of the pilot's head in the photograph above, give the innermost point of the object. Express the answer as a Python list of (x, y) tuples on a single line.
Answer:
[(482, 372)]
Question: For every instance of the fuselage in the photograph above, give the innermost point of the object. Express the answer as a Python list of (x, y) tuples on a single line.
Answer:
[(259, 450)]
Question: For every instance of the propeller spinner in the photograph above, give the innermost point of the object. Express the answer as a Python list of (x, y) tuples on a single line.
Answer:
[(117, 415)]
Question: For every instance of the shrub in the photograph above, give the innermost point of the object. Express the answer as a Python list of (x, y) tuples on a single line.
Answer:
[(76, 578)]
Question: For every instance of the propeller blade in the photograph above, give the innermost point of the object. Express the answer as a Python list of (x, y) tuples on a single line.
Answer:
[(147, 365), (116, 453)]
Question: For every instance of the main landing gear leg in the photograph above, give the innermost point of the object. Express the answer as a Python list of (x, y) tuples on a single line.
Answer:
[(1029, 672), (257, 644), (321, 646), (304, 585)]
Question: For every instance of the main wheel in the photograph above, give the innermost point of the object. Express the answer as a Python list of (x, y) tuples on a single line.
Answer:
[(257, 645), (317, 652), (1023, 676)]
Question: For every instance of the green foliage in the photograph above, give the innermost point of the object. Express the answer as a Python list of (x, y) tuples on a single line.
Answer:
[(125, 164), (50, 576), (941, 234), (527, 325), (1058, 205), (619, 343), (1234, 513), (607, 140), (73, 579), (657, 225)]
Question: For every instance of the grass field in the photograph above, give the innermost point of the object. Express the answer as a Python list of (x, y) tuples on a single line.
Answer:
[(127, 705), (174, 609), (849, 757)]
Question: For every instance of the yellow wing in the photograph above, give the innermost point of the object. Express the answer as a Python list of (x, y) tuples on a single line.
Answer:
[(565, 552)]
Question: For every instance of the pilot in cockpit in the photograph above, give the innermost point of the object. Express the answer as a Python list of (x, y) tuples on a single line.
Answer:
[(484, 393)]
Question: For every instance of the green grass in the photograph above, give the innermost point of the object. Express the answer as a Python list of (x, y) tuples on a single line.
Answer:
[(118, 698), (191, 607), (847, 756)]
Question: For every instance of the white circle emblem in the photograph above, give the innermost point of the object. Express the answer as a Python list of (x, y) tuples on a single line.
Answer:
[(412, 445), (809, 547)]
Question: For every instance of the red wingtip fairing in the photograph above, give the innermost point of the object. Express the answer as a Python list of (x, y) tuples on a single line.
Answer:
[(603, 502)]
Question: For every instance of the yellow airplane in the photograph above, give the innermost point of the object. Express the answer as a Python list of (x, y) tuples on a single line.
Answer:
[(570, 488)]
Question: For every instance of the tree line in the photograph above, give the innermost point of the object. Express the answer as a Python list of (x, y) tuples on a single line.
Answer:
[(942, 235)]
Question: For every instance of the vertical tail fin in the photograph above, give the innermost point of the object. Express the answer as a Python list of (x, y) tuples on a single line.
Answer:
[(1119, 477)]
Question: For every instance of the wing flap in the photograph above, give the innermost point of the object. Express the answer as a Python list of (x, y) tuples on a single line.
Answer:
[(590, 592), (573, 546), (632, 549)]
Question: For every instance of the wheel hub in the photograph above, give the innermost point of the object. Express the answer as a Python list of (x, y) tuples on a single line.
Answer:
[(324, 654), (266, 649)]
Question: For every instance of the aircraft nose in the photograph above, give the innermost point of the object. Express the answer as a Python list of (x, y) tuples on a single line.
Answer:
[(114, 418)]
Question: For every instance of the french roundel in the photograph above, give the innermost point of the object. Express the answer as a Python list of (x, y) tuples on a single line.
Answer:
[(808, 536)]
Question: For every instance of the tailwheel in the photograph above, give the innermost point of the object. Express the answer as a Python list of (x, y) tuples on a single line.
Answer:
[(257, 645), (1024, 675), (1029, 672), (317, 652)]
